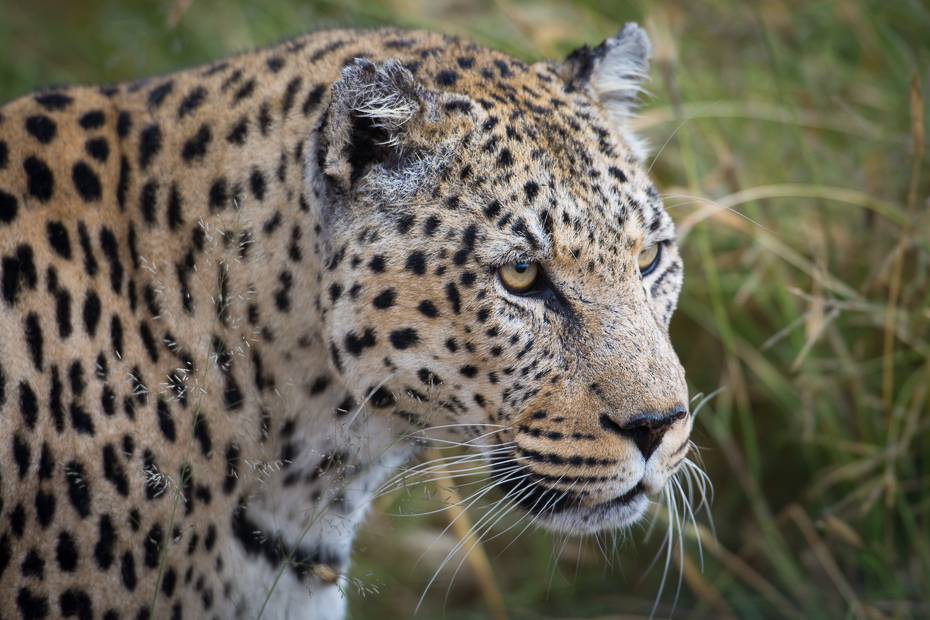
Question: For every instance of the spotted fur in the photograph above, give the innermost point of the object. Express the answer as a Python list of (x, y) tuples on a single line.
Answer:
[(235, 298)]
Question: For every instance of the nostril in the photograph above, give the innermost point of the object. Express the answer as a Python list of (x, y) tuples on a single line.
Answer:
[(647, 429), (609, 425)]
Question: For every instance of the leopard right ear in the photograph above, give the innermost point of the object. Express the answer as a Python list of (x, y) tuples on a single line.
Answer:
[(368, 124), (613, 73)]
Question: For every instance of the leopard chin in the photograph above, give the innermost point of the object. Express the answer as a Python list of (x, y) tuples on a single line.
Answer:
[(568, 511)]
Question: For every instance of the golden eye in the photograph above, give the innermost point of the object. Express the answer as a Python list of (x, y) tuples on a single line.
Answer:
[(519, 277), (648, 259)]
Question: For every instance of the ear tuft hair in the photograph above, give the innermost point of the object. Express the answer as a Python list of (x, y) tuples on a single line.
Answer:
[(613, 72), (364, 126)]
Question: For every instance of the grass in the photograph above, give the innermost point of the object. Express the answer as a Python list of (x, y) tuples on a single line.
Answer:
[(810, 307)]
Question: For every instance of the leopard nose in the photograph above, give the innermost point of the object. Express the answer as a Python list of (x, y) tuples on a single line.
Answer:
[(647, 429)]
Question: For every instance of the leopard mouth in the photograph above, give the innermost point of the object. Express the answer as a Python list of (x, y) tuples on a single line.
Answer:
[(567, 511)]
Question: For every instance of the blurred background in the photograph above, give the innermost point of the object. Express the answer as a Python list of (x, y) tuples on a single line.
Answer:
[(795, 165)]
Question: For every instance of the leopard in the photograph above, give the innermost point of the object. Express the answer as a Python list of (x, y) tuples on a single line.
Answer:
[(236, 300)]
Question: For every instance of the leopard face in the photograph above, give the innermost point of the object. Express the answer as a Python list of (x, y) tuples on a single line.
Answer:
[(569, 380), (233, 301)]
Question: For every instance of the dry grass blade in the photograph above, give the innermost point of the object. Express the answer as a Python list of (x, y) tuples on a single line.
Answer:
[(177, 11), (743, 571), (755, 110), (917, 126), (474, 550), (822, 553)]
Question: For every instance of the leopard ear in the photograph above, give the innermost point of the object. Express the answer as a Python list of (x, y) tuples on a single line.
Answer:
[(373, 106), (613, 73)]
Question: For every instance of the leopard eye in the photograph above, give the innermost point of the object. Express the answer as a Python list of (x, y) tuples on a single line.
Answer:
[(519, 277), (648, 259)]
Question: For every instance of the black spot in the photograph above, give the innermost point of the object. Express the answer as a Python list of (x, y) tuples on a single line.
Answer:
[(232, 468), (192, 101), (319, 386), (617, 173), (446, 77), (356, 344), (238, 133), (58, 238), (66, 552), (18, 520), (28, 404), (196, 145), (293, 87), (282, 297), (174, 208), (55, 406), (166, 421), (22, 455), (33, 565), (275, 63), (467, 278), (116, 335), (9, 206), (403, 338), (106, 540), (202, 435), (428, 308), (81, 420), (168, 583), (31, 606), (152, 546), (245, 90), (76, 603), (452, 294), (113, 470), (531, 189), (76, 376), (505, 158), (122, 185), (33, 333), (54, 101), (460, 105), (416, 263), (313, 99), (78, 487), (46, 462), (272, 224), (334, 354), (427, 377), (149, 144), (469, 371), (98, 148), (108, 401), (91, 313), (158, 94), (5, 553), (452, 345), (377, 264), (123, 124), (257, 183), (148, 196), (45, 508), (432, 223), (42, 128), (218, 195), (92, 119), (111, 251), (385, 299), (39, 178), (4, 154)]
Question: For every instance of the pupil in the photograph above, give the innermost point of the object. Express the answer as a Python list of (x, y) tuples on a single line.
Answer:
[(521, 267)]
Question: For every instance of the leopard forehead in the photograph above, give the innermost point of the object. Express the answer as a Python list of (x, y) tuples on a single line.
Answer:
[(251, 288)]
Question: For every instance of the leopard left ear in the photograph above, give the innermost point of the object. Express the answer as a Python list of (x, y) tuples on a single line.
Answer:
[(371, 124), (614, 72)]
